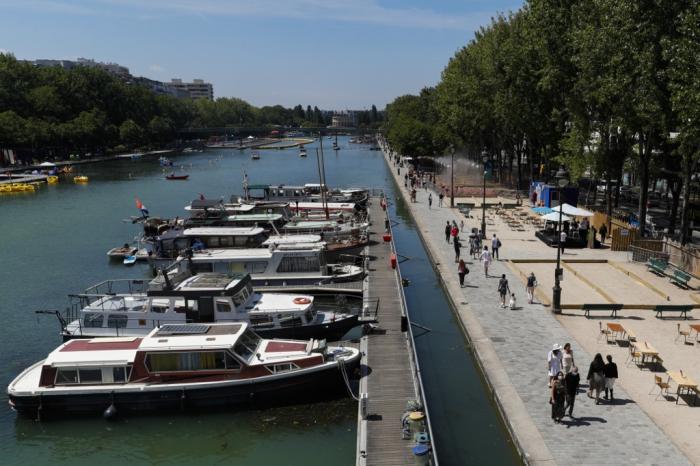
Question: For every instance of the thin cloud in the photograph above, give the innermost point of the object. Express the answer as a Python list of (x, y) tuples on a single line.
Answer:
[(359, 11), (156, 68)]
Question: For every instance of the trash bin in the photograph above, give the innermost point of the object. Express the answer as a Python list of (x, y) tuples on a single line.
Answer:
[(421, 455), (422, 438)]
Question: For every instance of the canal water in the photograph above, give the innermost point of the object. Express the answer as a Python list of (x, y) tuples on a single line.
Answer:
[(54, 243)]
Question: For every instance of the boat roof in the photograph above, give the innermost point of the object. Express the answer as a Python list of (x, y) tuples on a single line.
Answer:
[(193, 336), (292, 239), (202, 284), (255, 217), (95, 352), (330, 205), (245, 254), (311, 224), (205, 203), (223, 231)]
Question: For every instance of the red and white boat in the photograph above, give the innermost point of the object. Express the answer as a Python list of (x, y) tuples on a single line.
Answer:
[(178, 367)]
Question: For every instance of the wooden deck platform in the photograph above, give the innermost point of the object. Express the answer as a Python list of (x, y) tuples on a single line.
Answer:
[(387, 381)]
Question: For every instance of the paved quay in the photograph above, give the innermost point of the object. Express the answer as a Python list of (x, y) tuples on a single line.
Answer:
[(511, 347)]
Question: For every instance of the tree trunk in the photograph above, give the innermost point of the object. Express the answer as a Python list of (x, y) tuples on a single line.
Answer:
[(644, 159), (675, 193), (690, 165)]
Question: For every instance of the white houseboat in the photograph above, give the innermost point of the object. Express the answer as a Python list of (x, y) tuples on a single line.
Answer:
[(125, 308), (279, 264), (178, 367)]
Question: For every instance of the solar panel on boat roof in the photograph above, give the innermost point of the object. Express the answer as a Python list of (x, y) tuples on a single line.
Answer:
[(173, 329)]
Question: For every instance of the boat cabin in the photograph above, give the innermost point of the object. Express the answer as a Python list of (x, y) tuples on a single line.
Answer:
[(183, 298), (173, 242), (267, 221)]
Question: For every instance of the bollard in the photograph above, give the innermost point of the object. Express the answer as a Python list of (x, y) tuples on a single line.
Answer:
[(392, 260)]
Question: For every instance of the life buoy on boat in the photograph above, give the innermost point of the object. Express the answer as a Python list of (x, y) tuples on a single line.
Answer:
[(302, 301)]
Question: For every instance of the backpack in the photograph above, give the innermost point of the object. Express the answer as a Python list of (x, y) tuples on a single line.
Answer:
[(498, 243)]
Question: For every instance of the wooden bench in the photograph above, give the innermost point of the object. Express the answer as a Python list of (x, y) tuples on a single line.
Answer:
[(657, 266), (613, 308), (681, 309), (680, 278)]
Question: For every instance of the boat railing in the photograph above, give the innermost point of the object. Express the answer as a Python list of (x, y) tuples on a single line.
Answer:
[(370, 310), (120, 328), (118, 286)]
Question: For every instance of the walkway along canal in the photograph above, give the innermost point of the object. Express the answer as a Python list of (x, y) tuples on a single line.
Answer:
[(466, 425)]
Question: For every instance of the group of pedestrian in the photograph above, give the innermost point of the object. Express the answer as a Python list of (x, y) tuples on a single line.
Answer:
[(564, 379)]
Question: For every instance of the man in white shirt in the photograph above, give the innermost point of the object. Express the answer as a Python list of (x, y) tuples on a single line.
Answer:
[(562, 241)]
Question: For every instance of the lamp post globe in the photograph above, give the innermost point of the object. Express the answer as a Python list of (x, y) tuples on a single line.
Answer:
[(562, 181)]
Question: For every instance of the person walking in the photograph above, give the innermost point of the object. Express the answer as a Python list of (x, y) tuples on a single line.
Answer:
[(430, 200), (503, 289), (567, 358), (462, 271), (558, 397), (596, 377), (448, 230), (461, 225), (441, 196), (562, 241), (571, 381), (495, 245), (603, 230), (457, 246), (610, 377), (553, 363), (454, 231), (485, 259), (530, 287)]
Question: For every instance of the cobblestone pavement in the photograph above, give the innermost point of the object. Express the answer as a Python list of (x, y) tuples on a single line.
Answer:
[(619, 433)]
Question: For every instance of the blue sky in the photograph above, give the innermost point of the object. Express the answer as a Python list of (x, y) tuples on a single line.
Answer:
[(335, 54)]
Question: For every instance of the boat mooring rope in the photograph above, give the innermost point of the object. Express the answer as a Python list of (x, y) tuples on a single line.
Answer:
[(346, 379)]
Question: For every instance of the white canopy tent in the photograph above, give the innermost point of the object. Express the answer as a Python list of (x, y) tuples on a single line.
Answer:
[(47, 164), (554, 217), (568, 209)]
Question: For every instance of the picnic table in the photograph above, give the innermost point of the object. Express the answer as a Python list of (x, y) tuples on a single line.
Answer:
[(615, 330), (684, 384), (647, 349)]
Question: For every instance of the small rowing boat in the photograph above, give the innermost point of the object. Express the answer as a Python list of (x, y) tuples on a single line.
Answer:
[(173, 176)]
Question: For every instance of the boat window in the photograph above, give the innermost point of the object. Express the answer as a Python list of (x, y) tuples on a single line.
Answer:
[(212, 241), (117, 321), (199, 267), (93, 320), (279, 368), (247, 344), (90, 376), (189, 361), (223, 305), (261, 321), (298, 264), (226, 241), (309, 316), (256, 267), (238, 298), (120, 374), (159, 308), (66, 376), (290, 321)]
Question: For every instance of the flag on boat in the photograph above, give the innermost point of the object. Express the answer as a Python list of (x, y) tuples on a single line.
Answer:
[(141, 207)]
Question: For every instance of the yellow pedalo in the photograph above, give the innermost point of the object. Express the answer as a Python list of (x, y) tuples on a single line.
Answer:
[(80, 179)]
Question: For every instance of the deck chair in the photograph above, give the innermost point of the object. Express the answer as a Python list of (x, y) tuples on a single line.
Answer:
[(633, 355), (663, 386), (682, 333)]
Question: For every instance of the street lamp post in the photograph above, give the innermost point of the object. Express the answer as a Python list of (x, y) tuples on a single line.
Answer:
[(562, 181), (484, 158), (452, 177)]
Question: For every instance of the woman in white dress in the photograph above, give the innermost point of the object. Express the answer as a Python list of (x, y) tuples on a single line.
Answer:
[(567, 359), (486, 259), (554, 362)]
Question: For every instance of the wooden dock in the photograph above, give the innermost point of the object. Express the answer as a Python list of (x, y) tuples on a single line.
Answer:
[(389, 371)]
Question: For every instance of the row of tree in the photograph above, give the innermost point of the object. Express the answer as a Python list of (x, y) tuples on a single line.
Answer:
[(600, 87), (53, 112)]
